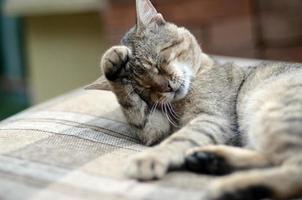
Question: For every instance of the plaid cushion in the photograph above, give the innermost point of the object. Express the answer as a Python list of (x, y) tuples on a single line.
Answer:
[(75, 147)]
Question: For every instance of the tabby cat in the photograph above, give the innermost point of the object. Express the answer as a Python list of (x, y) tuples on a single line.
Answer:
[(170, 91)]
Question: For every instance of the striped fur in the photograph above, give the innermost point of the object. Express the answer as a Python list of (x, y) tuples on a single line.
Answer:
[(169, 89)]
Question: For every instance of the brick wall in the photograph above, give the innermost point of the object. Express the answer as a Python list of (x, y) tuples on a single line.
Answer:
[(280, 24), (243, 28)]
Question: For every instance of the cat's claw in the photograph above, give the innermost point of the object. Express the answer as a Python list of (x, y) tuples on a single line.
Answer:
[(146, 166), (114, 62)]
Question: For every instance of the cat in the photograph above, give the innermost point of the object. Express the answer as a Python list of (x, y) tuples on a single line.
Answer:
[(242, 122)]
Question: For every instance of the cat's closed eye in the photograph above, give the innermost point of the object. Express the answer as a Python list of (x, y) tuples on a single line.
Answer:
[(172, 45), (146, 63)]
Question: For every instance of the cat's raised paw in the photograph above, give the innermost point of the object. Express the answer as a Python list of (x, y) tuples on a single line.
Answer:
[(114, 62), (146, 167)]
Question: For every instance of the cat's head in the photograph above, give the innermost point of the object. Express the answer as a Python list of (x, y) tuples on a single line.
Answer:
[(164, 58)]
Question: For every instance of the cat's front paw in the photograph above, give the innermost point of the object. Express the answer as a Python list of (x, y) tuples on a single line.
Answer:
[(147, 166), (114, 62)]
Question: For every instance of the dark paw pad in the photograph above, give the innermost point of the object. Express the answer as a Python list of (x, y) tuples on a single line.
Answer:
[(117, 71), (251, 193), (207, 163), (115, 62)]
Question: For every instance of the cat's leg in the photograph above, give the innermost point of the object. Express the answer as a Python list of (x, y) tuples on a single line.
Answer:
[(273, 123), (149, 126), (221, 159), (203, 130), (282, 182)]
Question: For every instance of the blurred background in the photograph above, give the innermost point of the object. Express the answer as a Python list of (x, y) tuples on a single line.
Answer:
[(49, 47)]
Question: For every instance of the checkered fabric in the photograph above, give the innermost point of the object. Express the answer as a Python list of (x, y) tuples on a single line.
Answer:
[(75, 147)]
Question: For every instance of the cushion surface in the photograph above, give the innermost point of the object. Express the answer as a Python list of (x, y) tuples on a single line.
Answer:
[(75, 147)]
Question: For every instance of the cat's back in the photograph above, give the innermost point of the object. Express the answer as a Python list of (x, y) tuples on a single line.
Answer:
[(271, 76), (268, 86), (271, 70)]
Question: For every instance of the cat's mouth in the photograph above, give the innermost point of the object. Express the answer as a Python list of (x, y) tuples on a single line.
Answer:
[(183, 89), (175, 95), (176, 91)]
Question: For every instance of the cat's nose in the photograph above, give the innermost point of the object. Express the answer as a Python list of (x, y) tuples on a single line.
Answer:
[(164, 87)]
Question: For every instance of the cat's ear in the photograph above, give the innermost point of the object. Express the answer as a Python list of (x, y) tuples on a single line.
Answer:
[(99, 84), (147, 15)]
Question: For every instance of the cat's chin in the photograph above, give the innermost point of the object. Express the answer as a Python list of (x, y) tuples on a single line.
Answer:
[(173, 96), (182, 91), (169, 97), (180, 94)]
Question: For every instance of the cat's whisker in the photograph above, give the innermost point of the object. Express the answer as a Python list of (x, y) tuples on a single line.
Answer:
[(162, 107), (171, 112), (174, 114), (165, 110), (172, 117), (168, 116), (153, 108)]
